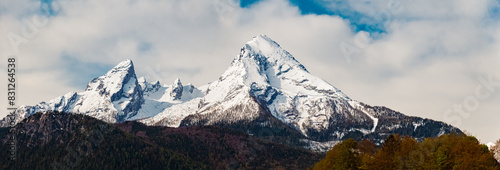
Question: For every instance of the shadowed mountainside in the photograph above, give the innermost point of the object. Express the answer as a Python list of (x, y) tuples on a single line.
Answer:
[(76, 141)]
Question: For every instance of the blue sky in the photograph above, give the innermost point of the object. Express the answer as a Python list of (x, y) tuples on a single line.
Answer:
[(358, 21), (47, 7), (422, 58)]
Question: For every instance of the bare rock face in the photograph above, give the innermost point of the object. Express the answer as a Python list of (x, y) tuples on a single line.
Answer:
[(177, 90), (190, 88)]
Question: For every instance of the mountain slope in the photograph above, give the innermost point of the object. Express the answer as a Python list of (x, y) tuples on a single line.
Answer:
[(222, 148), (265, 92), (73, 141), (46, 140)]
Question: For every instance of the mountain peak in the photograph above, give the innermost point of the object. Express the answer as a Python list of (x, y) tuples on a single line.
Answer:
[(119, 88), (177, 82), (177, 89), (263, 44), (262, 39), (116, 77), (264, 51), (123, 66)]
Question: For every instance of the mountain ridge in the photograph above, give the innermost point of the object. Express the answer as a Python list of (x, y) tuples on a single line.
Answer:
[(264, 87)]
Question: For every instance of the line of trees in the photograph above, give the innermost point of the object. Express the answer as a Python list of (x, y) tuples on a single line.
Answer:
[(452, 151)]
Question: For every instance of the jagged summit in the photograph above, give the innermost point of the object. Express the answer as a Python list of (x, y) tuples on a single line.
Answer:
[(177, 83), (112, 97), (115, 79), (177, 89)]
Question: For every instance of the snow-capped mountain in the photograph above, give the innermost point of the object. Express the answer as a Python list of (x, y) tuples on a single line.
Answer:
[(265, 83), (117, 96), (265, 91)]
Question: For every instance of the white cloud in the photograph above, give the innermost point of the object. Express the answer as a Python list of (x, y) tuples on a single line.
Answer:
[(428, 60)]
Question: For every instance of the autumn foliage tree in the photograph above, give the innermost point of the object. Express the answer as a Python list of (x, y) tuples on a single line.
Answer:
[(453, 151), (343, 156)]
